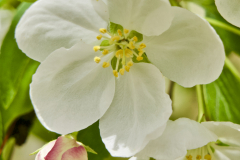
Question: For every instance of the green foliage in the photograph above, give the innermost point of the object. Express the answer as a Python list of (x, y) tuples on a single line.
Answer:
[(7, 151), (1, 128), (230, 40), (222, 96), (91, 137), (16, 71)]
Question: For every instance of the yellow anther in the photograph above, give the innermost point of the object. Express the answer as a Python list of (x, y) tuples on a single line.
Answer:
[(131, 45), (189, 157), (128, 53), (99, 37), (135, 38), (115, 73), (139, 49), (139, 58), (126, 31), (130, 63), (121, 71), (96, 48), (119, 32), (115, 38), (105, 52), (143, 45), (208, 157), (199, 157), (127, 68), (105, 64), (97, 59), (119, 53), (103, 30), (140, 53)]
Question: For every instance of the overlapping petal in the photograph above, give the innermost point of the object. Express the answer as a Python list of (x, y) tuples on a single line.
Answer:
[(179, 136), (149, 17), (45, 150), (51, 24), (76, 153), (230, 10), (227, 132), (61, 145), (70, 91), (226, 153), (189, 52), (140, 106)]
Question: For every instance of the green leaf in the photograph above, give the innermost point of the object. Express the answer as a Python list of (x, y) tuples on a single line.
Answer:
[(13, 63), (1, 128), (91, 137), (30, 1), (8, 148), (222, 96), (16, 71), (230, 39)]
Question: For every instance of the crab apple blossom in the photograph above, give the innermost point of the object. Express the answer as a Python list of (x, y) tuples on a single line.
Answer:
[(93, 67)]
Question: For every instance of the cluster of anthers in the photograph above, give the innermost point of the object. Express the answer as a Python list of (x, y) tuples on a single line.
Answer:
[(120, 46), (203, 153)]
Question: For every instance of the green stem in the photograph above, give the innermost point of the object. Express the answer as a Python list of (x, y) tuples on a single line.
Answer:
[(223, 25), (229, 64), (74, 135), (200, 103)]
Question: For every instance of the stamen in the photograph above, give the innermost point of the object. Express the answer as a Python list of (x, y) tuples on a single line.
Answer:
[(115, 73), (105, 64), (119, 53), (99, 37), (140, 53), (97, 59), (131, 45), (135, 38), (96, 48), (115, 38), (127, 68), (121, 71), (119, 32), (130, 63), (105, 52), (103, 30), (139, 58), (128, 53), (208, 157), (199, 157), (126, 31), (143, 45), (189, 157)]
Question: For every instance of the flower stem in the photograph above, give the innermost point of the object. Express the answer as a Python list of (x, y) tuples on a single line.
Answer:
[(200, 103), (229, 64), (223, 25), (74, 135)]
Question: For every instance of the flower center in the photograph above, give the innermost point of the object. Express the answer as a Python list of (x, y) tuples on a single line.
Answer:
[(120, 45), (203, 153)]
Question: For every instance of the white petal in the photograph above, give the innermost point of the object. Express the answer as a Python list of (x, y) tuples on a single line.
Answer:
[(230, 10), (70, 91), (6, 17), (140, 107), (189, 53), (179, 136), (51, 24), (149, 17), (227, 132), (227, 153)]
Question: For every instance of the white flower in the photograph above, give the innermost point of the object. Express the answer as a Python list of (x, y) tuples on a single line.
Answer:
[(63, 148), (70, 91), (185, 139), (6, 17), (230, 10)]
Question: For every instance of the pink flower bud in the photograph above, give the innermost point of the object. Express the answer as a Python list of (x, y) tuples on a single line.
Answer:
[(64, 148)]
